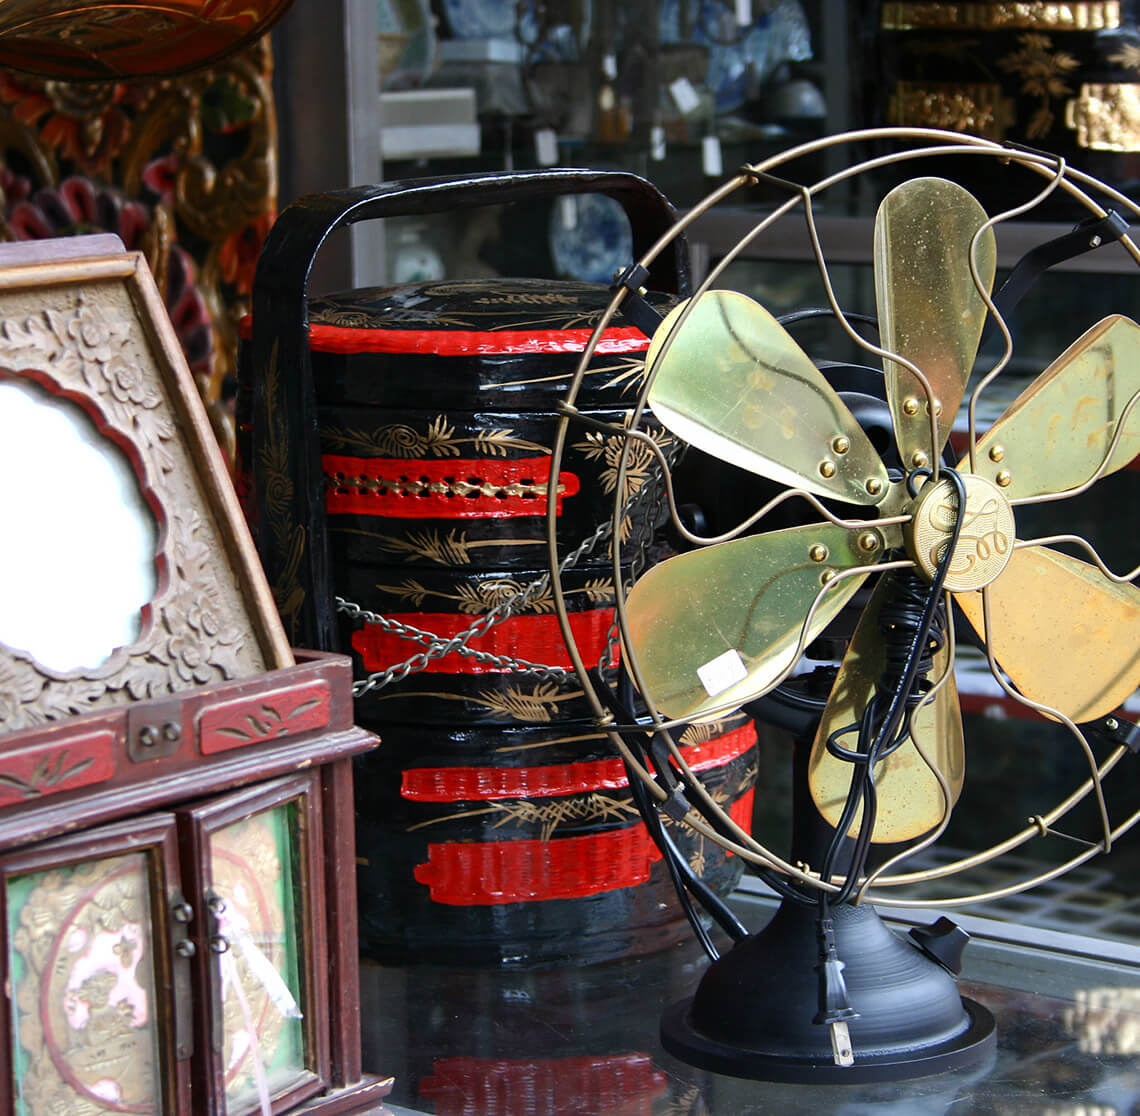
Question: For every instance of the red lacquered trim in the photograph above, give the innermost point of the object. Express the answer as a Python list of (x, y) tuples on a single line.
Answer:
[(508, 1086), (537, 638), (43, 769), (451, 489), (476, 784), (252, 720), (489, 873), (453, 342)]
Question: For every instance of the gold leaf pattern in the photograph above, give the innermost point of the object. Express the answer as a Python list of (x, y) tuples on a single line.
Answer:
[(1042, 71), (438, 440)]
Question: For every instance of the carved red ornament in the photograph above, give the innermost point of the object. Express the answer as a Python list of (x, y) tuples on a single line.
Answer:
[(45, 769), (265, 716)]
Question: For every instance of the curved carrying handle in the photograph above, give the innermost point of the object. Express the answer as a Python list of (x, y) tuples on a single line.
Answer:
[(289, 496)]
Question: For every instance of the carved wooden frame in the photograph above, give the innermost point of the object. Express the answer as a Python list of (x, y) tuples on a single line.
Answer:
[(93, 329)]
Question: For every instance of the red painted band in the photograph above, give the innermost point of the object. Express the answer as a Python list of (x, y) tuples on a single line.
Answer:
[(403, 489), (479, 784), (455, 342), (490, 873), (536, 638)]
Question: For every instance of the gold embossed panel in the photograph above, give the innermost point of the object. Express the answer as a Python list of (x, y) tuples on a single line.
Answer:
[(85, 1021)]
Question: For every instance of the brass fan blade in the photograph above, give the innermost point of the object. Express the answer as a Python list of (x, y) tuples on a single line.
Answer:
[(1067, 636), (1055, 434), (717, 625), (929, 309), (909, 800), (733, 383)]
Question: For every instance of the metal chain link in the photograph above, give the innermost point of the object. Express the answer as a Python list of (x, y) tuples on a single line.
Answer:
[(435, 647)]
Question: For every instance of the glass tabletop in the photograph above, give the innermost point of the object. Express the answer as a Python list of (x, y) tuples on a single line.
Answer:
[(583, 1039)]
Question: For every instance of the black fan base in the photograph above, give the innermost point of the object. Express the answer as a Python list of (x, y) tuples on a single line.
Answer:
[(753, 1010)]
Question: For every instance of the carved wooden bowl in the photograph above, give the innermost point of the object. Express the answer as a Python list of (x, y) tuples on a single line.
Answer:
[(122, 39)]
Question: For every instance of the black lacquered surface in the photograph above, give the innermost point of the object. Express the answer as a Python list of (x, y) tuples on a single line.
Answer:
[(583, 1041)]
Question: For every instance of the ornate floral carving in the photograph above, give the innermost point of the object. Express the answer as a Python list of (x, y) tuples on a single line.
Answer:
[(183, 169), (89, 349)]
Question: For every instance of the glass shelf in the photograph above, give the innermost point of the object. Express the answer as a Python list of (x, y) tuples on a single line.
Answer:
[(583, 1039)]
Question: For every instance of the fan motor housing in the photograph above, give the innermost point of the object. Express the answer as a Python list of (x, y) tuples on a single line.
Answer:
[(984, 544)]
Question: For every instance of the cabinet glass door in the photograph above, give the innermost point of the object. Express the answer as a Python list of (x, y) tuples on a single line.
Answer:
[(90, 1024), (258, 876)]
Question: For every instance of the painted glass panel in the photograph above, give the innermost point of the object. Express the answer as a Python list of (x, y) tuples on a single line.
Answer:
[(81, 956)]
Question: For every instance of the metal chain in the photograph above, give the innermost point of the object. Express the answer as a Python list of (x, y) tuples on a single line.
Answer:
[(435, 647)]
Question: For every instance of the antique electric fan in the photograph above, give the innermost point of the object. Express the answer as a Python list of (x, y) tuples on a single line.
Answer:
[(826, 992)]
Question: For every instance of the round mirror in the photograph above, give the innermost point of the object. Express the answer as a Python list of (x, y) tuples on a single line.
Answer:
[(78, 560)]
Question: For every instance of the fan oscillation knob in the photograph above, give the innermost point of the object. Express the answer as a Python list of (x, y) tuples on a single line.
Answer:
[(984, 544)]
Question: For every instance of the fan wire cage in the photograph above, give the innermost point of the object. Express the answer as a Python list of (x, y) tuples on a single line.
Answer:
[(890, 540)]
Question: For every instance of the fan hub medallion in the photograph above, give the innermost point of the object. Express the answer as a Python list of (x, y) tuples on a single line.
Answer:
[(986, 540)]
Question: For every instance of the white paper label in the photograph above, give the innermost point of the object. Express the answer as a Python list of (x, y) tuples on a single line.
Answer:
[(546, 147), (743, 13), (723, 672), (657, 143), (609, 66), (685, 97), (568, 213), (711, 162)]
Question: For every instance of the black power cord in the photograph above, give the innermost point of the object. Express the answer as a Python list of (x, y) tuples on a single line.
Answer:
[(881, 732)]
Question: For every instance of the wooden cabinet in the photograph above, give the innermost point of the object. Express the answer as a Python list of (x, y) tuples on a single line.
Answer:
[(178, 903)]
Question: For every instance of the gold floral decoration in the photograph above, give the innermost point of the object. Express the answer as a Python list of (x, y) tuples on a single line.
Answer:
[(1042, 71)]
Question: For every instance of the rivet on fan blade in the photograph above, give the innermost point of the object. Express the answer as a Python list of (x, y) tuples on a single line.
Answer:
[(869, 541), (910, 405), (818, 553), (873, 486), (937, 407), (826, 576), (827, 468), (1003, 478), (841, 445), (997, 452), (1111, 723), (919, 460)]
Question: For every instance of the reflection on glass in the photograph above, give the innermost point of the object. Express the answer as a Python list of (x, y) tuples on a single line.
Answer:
[(77, 564), (82, 970), (1106, 1020), (256, 907)]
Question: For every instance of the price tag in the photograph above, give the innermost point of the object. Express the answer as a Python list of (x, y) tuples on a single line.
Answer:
[(568, 212), (685, 97), (711, 161), (723, 672), (546, 147), (657, 143), (743, 13)]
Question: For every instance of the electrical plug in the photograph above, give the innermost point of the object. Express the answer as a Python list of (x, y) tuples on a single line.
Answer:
[(834, 1007)]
